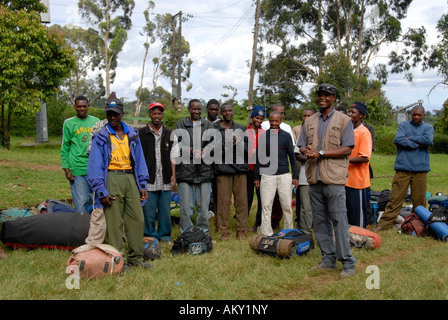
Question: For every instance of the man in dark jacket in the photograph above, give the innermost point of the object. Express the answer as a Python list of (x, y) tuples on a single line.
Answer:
[(193, 175), (231, 174), (156, 144)]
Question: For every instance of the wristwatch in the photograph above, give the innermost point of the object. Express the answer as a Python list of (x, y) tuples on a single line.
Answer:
[(322, 153)]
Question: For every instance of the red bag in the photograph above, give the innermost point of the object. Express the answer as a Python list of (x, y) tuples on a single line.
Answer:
[(413, 225), (363, 238)]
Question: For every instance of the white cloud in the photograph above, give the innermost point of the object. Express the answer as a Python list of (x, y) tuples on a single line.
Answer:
[(220, 33)]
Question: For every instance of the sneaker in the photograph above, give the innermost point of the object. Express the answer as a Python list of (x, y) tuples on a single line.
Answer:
[(347, 273), (323, 266)]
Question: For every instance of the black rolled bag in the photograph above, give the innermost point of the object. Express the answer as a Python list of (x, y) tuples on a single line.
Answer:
[(49, 230)]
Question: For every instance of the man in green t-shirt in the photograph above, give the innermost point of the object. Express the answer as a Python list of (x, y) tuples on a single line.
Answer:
[(74, 158)]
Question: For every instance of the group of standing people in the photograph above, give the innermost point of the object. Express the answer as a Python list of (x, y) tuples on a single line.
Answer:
[(326, 160)]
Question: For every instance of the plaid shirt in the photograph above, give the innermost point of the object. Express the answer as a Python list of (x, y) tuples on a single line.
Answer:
[(158, 183)]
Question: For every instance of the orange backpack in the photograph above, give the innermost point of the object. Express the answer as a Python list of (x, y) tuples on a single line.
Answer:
[(95, 261)]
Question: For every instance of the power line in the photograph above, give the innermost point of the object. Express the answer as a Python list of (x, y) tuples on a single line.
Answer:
[(227, 35)]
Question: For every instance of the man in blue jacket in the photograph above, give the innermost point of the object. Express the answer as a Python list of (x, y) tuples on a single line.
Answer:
[(118, 176), (413, 140)]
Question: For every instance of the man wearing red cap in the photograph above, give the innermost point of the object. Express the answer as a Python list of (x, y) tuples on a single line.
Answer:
[(156, 144)]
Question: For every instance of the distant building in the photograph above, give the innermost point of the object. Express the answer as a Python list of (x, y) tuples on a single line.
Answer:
[(404, 113)]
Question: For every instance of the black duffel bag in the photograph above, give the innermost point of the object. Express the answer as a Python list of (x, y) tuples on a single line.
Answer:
[(48, 230)]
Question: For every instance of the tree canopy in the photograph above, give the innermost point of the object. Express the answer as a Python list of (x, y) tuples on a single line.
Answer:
[(33, 62), (309, 33)]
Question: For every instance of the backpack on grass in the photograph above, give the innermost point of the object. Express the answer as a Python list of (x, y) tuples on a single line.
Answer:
[(95, 261), (151, 248), (413, 225), (194, 241), (363, 238), (287, 243)]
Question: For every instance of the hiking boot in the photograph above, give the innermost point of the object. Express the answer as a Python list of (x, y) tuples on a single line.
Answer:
[(323, 266), (225, 237), (347, 273), (241, 235)]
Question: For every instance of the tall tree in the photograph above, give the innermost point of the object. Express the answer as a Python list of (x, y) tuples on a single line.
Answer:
[(148, 32), (164, 63), (87, 45), (33, 62), (306, 31), (113, 20), (438, 60)]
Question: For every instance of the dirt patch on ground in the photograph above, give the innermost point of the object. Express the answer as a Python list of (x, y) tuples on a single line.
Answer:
[(31, 166)]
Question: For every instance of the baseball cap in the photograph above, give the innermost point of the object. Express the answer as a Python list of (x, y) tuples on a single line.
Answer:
[(328, 88), (361, 107), (114, 104), (156, 104)]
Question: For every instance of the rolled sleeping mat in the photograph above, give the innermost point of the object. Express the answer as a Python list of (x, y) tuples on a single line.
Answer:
[(439, 228)]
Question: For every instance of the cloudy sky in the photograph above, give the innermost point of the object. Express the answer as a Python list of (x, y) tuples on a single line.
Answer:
[(220, 33)]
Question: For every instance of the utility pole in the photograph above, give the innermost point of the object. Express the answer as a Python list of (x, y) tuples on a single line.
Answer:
[(254, 54), (177, 60), (173, 53), (179, 66), (41, 116)]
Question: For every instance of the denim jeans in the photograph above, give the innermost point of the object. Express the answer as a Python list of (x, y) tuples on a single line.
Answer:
[(157, 207), (189, 194), (81, 193)]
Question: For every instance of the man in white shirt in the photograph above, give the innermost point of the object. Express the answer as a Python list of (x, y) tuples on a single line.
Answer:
[(277, 212)]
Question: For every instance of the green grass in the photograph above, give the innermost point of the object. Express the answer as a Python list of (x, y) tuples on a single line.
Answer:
[(410, 268)]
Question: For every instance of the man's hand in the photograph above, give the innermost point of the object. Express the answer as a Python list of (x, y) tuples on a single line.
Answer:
[(69, 175), (312, 152), (257, 184), (295, 182), (143, 194), (107, 200)]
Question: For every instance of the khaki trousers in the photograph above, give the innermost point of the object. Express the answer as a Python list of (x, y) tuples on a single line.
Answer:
[(227, 186), (400, 184), (269, 185), (97, 230)]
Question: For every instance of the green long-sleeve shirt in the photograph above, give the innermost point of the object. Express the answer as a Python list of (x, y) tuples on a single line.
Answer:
[(75, 139)]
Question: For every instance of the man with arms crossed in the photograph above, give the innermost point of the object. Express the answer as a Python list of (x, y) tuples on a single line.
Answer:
[(413, 140)]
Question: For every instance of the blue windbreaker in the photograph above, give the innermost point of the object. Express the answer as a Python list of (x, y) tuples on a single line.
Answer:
[(99, 160), (413, 153)]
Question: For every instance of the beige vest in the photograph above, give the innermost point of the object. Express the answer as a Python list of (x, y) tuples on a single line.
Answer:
[(332, 170)]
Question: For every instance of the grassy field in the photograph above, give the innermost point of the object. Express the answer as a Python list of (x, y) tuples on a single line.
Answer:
[(408, 268)]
